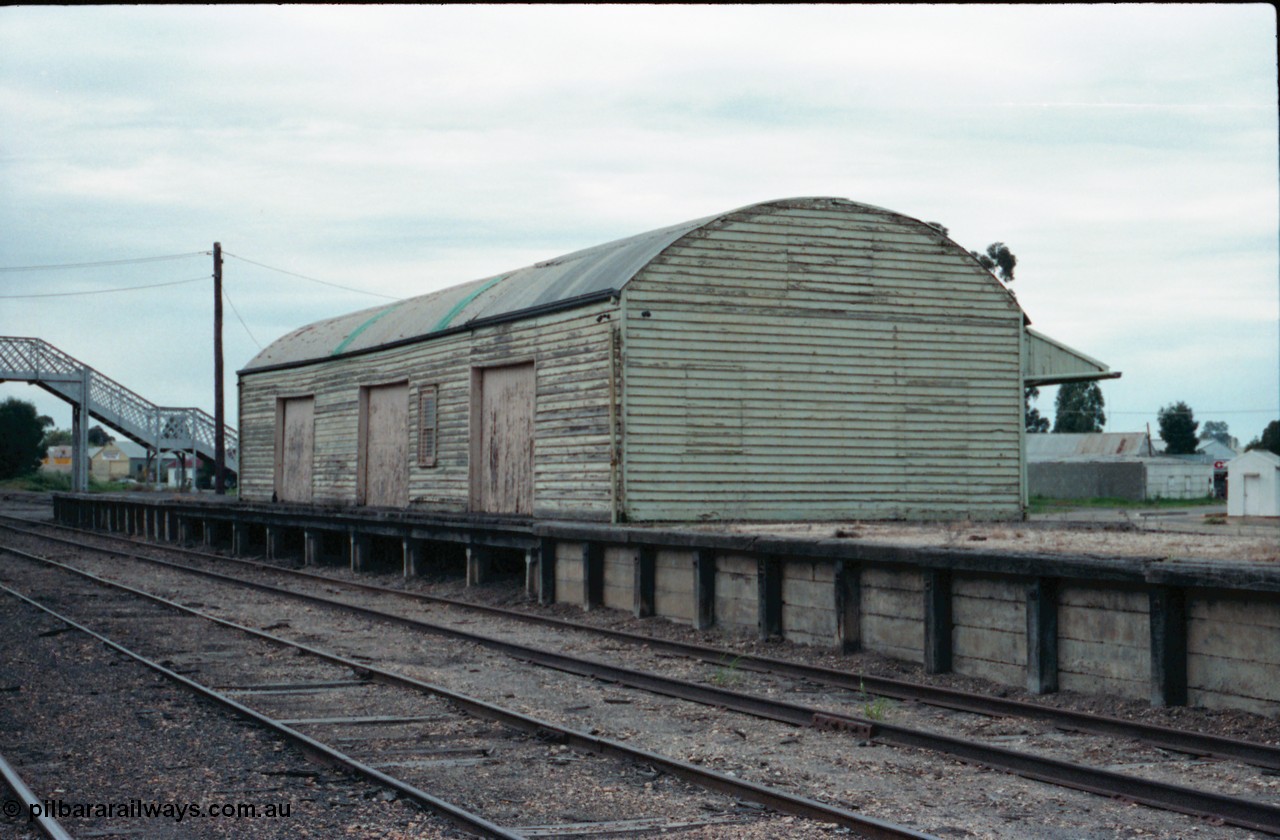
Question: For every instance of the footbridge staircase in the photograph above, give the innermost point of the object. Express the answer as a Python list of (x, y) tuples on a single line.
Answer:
[(158, 428)]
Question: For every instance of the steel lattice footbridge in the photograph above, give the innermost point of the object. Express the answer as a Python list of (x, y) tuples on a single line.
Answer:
[(159, 428)]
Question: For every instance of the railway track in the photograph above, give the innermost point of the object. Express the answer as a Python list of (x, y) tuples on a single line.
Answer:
[(25, 802), (1180, 740), (1259, 816), (410, 735)]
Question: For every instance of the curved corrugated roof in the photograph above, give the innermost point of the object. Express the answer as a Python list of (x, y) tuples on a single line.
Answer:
[(593, 271), (563, 281)]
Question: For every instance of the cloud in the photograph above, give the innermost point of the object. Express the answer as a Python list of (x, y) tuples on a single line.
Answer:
[(1125, 152)]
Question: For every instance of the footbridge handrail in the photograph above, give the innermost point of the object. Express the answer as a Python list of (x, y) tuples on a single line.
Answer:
[(37, 361)]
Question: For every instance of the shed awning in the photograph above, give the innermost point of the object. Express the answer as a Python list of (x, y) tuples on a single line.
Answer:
[(1048, 362)]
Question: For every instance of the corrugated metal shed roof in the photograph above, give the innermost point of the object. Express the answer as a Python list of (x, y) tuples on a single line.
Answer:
[(594, 271), (590, 274), (1078, 447)]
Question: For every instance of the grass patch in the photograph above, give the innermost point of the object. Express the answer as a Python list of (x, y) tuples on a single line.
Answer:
[(44, 482), (39, 482), (1041, 504)]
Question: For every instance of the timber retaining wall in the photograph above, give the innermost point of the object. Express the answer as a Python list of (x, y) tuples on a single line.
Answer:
[(1168, 631)]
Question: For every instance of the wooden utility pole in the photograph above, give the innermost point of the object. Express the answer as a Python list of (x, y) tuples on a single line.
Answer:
[(219, 415)]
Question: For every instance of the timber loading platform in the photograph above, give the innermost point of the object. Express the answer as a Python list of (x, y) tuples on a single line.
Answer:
[(1163, 630)]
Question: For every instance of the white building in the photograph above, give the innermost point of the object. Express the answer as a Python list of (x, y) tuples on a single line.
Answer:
[(1253, 484)]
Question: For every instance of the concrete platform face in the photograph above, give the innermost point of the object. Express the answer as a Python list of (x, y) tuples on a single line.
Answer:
[(673, 588), (1103, 641), (1159, 627), (1233, 652), (989, 636)]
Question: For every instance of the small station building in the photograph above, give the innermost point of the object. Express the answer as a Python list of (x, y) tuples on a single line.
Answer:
[(1253, 484)]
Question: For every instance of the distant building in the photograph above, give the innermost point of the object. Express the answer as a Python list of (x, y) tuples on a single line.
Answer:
[(1210, 452), (137, 455), (1215, 451), (57, 460), (1253, 484), (1121, 465), (108, 463)]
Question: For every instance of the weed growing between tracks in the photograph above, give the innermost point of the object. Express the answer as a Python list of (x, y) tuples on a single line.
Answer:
[(728, 675), (877, 709)]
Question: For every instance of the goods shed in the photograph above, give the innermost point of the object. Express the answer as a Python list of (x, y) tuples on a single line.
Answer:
[(803, 359)]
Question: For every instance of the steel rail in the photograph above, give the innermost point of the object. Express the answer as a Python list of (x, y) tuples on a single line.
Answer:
[(743, 789), (1163, 737), (323, 753), (48, 826), (1233, 810)]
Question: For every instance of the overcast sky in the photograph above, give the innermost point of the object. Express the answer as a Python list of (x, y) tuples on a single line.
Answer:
[(1127, 155)]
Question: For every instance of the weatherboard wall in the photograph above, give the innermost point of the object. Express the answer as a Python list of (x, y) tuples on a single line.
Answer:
[(796, 360), (571, 435), (820, 361)]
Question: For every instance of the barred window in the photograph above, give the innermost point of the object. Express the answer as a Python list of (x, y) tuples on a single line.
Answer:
[(427, 425)]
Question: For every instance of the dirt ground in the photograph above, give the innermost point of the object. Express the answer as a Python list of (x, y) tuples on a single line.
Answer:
[(1190, 534)]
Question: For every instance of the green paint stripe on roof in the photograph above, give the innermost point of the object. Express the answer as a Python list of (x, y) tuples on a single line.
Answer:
[(462, 304), (373, 319)]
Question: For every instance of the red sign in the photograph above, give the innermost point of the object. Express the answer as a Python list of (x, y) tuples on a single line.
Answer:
[(1219, 465)]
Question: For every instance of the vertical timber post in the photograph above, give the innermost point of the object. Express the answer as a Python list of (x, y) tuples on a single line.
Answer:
[(359, 551), (704, 588), (479, 559), (546, 571), (413, 549), (219, 410), (1042, 636), (645, 581), (239, 538), (937, 621), (769, 595), (310, 547), (592, 575), (531, 573), (848, 606), (1168, 606)]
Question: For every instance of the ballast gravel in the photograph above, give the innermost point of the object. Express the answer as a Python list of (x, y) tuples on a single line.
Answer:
[(112, 749)]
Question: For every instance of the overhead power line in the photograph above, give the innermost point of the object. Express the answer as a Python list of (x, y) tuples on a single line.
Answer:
[(239, 317), (1208, 411), (104, 291), (103, 263), (312, 279)]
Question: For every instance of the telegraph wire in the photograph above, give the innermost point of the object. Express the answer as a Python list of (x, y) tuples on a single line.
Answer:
[(104, 291), (1207, 411), (1109, 412), (252, 337), (102, 263), (312, 279)]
